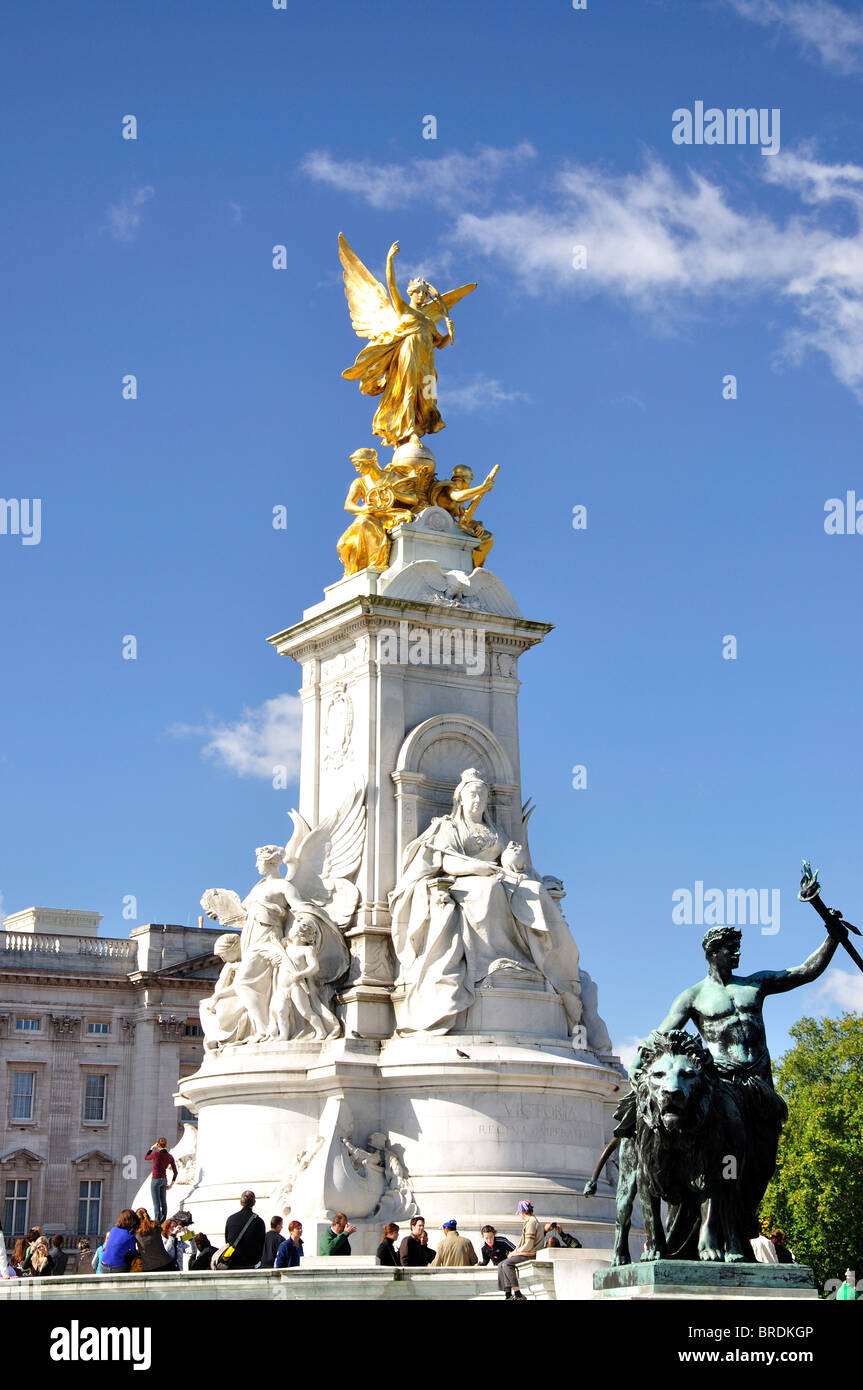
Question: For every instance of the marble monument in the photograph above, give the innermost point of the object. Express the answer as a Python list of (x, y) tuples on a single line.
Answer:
[(402, 1022)]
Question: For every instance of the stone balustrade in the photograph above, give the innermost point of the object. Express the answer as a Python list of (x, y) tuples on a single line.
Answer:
[(65, 952)]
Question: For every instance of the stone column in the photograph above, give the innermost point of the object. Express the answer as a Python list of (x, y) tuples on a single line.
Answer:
[(128, 1075), (368, 1010), (170, 1029), (64, 1097)]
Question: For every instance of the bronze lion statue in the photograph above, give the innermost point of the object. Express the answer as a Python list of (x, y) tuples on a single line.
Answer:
[(682, 1141)]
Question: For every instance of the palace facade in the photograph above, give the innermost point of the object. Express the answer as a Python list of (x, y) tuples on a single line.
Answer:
[(95, 1034)]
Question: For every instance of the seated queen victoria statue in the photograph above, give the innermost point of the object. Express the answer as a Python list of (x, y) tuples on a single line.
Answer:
[(467, 906)]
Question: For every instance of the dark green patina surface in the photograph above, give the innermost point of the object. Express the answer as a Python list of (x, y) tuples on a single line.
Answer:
[(706, 1273)]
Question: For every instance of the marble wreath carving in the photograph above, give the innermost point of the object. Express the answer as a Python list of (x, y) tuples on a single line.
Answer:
[(469, 906), (281, 966), (334, 1173), (385, 1178)]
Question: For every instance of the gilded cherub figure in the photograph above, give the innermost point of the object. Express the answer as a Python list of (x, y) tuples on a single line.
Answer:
[(366, 543), (399, 363), (453, 493), (379, 499)]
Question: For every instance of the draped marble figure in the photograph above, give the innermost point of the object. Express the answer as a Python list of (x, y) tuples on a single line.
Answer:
[(468, 905), (279, 971), (223, 1018)]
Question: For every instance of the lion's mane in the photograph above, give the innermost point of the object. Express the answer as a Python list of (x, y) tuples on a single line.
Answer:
[(674, 1164)]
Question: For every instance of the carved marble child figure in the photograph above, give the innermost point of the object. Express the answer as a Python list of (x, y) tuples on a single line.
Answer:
[(297, 1009), (223, 1018)]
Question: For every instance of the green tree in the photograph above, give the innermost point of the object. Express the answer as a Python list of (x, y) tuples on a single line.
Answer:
[(816, 1195)]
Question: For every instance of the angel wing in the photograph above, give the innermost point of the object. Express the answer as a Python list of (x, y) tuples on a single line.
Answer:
[(527, 811), (433, 309), (301, 830), (224, 905), (372, 314), (327, 856)]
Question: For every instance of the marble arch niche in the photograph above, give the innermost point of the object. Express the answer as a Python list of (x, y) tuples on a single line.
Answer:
[(429, 765)]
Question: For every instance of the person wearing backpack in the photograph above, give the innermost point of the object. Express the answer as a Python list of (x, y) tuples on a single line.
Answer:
[(244, 1237)]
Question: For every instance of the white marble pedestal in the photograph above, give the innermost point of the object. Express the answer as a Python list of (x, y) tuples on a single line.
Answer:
[(475, 1133), (410, 676)]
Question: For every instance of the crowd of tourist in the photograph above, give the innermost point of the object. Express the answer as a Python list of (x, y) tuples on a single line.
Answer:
[(252, 1246), (157, 1244), (137, 1243)]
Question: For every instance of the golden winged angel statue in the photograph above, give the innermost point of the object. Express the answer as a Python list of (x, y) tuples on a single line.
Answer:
[(398, 365)]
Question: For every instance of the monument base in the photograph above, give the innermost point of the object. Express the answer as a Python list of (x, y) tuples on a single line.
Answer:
[(704, 1279), (472, 1125)]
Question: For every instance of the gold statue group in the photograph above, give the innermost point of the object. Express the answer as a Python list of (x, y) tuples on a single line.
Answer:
[(399, 366)]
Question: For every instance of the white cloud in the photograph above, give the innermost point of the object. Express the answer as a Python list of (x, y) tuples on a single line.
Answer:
[(447, 181), (483, 393), (666, 242), (124, 218), (263, 740), (840, 989), (825, 30), (627, 1049), (648, 234), (236, 212)]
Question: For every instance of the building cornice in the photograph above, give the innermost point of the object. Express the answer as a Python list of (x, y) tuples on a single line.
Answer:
[(114, 982)]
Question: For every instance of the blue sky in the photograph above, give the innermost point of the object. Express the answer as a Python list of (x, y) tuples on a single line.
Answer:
[(600, 386)]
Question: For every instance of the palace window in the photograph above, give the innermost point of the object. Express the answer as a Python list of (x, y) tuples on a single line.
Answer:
[(193, 1029), (27, 1025), (16, 1207), (94, 1099), (99, 1029), (90, 1208), (23, 1089)]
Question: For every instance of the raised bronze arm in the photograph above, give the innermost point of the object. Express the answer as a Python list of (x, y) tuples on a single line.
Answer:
[(837, 927)]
